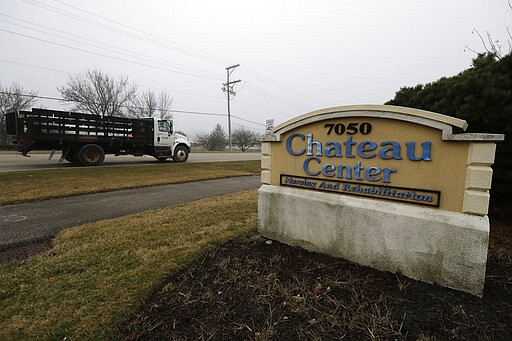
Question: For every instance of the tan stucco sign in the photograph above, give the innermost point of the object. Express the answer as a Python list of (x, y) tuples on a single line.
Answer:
[(386, 154)]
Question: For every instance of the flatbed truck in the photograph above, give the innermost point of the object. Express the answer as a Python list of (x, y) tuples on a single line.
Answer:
[(84, 139)]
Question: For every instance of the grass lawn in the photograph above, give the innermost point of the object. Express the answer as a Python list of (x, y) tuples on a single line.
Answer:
[(97, 275), (25, 186)]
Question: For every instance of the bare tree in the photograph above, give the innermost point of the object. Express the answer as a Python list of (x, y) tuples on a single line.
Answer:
[(491, 45), (148, 105), (143, 105), (164, 105), (13, 97), (98, 93), (202, 139), (244, 138)]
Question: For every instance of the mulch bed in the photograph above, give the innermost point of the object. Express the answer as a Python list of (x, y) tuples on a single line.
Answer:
[(251, 289)]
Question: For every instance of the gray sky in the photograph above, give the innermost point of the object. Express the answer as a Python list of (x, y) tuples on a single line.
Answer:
[(295, 56)]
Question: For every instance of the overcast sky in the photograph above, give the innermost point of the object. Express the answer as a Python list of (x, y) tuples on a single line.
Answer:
[(294, 56)]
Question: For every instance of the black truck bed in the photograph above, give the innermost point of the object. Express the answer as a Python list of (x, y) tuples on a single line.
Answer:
[(42, 128)]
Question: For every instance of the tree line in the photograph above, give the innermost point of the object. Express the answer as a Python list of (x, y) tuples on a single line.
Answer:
[(217, 140)]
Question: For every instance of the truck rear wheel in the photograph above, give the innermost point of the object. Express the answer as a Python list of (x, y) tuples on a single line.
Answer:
[(180, 154), (91, 155)]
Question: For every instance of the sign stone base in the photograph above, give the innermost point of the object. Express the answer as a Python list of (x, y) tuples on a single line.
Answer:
[(431, 245)]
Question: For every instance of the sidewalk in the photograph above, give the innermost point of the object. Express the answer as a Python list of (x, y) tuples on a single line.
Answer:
[(23, 223)]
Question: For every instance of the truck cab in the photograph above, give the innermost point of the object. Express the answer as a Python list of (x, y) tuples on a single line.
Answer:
[(167, 143)]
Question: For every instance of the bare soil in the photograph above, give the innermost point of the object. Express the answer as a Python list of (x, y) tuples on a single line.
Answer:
[(21, 251), (251, 289)]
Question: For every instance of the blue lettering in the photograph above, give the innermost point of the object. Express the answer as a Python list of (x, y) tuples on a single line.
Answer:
[(328, 170), (357, 168), (348, 147), (317, 144), (289, 144), (425, 155), (366, 146), (372, 173), (306, 166), (390, 146), (387, 172), (348, 171), (332, 146)]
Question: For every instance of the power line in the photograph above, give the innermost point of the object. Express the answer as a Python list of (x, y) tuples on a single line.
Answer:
[(74, 73), (271, 81), (272, 96), (105, 55), (220, 59), (246, 120), (122, 106), (249, 128), (242, 88), (100, 45), (135, 107), (34, 66), (184, 49)]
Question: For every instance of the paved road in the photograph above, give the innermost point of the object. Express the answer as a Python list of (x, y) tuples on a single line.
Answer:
[(15, 162), (22, 223)]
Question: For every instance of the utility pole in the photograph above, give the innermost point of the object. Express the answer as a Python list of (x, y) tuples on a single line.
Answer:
[(228, 88)]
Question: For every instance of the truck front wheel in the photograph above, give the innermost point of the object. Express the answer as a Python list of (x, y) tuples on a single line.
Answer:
[(180, 154), (91, 155)]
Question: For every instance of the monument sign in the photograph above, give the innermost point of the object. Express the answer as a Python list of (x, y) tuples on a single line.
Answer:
[(388, 187)]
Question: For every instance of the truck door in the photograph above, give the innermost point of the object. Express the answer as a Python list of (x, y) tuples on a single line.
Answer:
[(163, 133)]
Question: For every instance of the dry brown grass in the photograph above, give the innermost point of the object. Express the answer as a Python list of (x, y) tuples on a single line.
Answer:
[(25, 186)]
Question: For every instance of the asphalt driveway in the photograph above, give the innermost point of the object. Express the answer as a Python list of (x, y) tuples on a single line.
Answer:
[(22, 223)]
